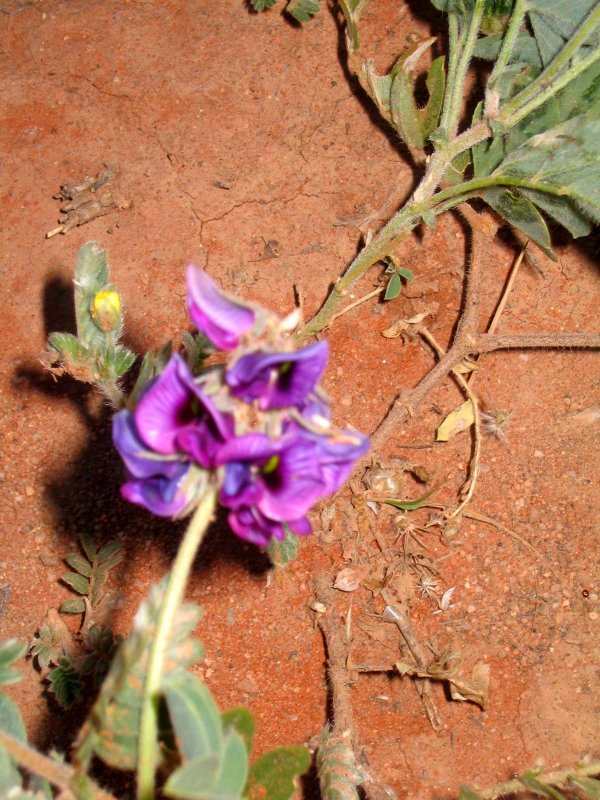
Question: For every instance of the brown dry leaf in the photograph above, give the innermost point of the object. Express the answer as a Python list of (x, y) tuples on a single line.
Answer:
[(376, 579), (466, 366), (457, 421), (475, 689), (421, 473), (588, 416), (350, 578), (396, 329), (375, 629)]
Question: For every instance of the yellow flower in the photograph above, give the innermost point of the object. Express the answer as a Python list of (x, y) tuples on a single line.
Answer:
[(106, 309)]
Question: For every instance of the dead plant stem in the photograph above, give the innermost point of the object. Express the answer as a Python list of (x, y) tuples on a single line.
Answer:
[(558, 778)]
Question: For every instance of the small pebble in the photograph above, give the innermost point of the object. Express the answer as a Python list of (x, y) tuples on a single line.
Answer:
[(29, 491), (593, 615)]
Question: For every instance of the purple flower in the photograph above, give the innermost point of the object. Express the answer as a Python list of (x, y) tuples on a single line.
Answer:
[(279, 478), (163, 485), (278, 380), (175, 416), (223, 319), (251, 525), (337, 454)]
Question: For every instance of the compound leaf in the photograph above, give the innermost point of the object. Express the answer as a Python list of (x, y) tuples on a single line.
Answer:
[(10, 651), (65, 683), (77, 582), (82, 565), (272, 777), (302, 10)]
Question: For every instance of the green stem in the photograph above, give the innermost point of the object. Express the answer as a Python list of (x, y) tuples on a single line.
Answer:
[(454, 50), (401, 223), (510, 37), (546, 85), (456, 88), (178, 578)]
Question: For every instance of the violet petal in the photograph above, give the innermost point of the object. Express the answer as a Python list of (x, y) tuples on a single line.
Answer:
[(221, 318)]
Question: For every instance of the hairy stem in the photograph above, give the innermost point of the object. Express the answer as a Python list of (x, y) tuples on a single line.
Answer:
[(57, 773), (547, 84), (174, 595), (558, 778), (517, 16), (456, 86)]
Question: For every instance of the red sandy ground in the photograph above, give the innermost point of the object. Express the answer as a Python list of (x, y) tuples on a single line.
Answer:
[(232, 131)]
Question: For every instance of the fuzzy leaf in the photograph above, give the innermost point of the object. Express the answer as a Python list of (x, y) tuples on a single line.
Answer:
[(273, 776), (436, 86), (242, 721), (11, 723), (91, 275), (111, 730), (74, 606), (521, 214), (284, 551), (110, 555), (554, 22), (10, 651), (47, 646), (589, 786), (302, 10), (262, 5), (82, 565), (212, 776), (194, 716), (120, 360), (404, 111), (562, 210), (77, 582), (531, 780), (524, 50), (393, 288), (65, 683), (197, 348), (87, 543), (563, 162)]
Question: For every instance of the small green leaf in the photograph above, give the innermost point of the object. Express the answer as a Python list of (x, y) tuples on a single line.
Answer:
[(273, 776), (108, 551), (284, 551), (404, 111), (262, 5), (412, 505), (428, 218), (406, 274), (121, 361), (241, 720), (562, 210), (77, 582), (82, 565), (74, 606), (302, 10), (87, 543), (10, 651), (393, 288), (65, 683)]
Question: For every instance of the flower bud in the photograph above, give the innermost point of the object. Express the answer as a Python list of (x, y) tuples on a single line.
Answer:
[(105, 309)]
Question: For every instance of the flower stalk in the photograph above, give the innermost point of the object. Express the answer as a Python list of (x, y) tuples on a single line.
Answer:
[(178, 579)]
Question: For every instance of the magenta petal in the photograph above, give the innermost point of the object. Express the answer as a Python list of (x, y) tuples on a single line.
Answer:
[(161, 411), (295, 485), (252, 526), (221, 318)]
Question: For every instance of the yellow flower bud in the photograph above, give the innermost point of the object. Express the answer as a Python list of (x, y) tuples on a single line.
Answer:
[(106, 309)]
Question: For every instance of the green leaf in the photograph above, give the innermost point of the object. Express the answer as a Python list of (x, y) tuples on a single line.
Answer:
[(262, 5), (562, 210), (284, 551), (524, 50), (564, 162), (111, 730), (412, 505), (554, 22), (89, 548), (436, 86), (65, 683), (302, 10), (521, 214), (82, 565), (74, 606), (47, 646), (10, 651), (241, 720), (11, 723), (194, 716), (393, 288), (406, 274), (77, 582), (91, 275), (273, 776), (212, 777), (404, 111), (108, 551), (120, 360)]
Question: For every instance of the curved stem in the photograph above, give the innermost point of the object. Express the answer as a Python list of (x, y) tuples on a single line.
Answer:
[(178, 578), (55, 772), (510, 37)]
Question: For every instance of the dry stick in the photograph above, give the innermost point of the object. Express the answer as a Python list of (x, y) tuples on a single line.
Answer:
[(356, 303), (57, 773), (394, 614), (342, 729), (476, 457)]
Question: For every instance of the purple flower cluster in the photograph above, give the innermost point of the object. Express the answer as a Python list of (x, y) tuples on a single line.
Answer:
[(259, 424)]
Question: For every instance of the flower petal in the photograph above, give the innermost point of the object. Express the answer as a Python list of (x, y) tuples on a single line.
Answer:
[(221, 318), (278, 380), (252, 526), (139, 461)]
